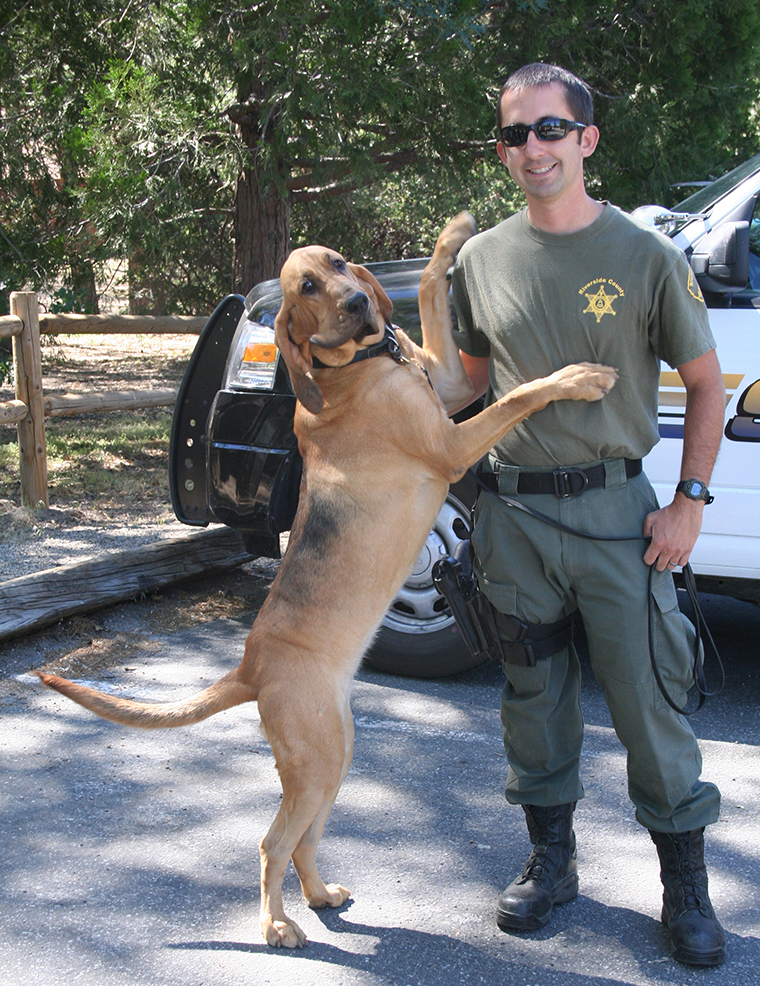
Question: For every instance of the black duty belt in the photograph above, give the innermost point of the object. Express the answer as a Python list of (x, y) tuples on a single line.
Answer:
[(566, 481)]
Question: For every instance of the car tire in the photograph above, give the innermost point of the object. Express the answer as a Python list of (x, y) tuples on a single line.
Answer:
[(419, 637), (436, 654)]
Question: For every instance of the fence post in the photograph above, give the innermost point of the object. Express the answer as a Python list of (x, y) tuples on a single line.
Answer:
[(28, 374)]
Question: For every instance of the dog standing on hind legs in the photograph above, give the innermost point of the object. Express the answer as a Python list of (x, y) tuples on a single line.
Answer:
[(379, 454)]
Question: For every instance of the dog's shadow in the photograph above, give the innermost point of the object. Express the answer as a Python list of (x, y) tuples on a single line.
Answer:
[(425, 954)]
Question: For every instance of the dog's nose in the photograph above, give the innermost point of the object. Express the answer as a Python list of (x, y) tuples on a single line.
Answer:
[(357, 304)]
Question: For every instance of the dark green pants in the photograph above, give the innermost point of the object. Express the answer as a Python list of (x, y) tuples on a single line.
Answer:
[(532, 571)]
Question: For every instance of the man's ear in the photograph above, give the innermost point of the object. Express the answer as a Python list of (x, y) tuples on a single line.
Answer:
[(589, 140), (298, 361), (382, 302)]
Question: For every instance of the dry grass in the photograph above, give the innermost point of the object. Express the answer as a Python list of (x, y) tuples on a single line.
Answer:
[(108, 468)]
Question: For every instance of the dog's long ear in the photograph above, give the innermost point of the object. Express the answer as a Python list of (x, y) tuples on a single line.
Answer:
[(298, 361), (382, 302)]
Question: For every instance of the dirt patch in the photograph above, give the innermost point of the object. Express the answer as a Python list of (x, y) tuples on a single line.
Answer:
[(81, 363), (107, 473)]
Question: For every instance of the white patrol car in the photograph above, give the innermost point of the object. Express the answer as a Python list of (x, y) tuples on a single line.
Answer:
[(719, 229)]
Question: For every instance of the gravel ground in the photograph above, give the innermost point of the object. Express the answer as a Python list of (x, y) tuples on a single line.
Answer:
[(33, 541)]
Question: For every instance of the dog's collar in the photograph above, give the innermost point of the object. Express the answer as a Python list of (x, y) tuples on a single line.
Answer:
[(388, 344)]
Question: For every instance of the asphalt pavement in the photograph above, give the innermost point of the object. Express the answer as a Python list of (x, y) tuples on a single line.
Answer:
[(131, 857)]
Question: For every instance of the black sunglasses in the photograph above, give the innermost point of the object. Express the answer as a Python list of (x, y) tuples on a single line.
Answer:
[(548, 129)]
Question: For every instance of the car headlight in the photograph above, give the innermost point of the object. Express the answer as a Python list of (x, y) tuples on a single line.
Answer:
[(253, 358)]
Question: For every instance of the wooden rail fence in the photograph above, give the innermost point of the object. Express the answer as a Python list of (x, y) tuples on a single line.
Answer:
[(34, 601), (30, 407)]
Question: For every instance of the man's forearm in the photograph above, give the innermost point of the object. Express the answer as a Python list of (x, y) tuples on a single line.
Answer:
[(703, 426)]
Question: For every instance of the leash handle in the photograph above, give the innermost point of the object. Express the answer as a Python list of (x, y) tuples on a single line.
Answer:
[(702, 632)]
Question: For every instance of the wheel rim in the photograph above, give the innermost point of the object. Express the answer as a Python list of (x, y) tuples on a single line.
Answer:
[(419, 607)]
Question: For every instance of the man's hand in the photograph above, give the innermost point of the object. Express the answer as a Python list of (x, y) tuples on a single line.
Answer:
[(674, 530)]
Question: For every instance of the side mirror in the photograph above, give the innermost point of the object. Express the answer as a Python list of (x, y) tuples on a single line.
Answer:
[(720, 260), (662, 219)]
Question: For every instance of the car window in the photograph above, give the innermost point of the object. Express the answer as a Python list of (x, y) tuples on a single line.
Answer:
[(754, 249), (406, 314), (705, 198)]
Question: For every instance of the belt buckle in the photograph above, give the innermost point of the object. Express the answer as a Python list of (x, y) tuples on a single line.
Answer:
[(562, 482)]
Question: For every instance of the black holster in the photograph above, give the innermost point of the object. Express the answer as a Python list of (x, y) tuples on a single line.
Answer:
[(489, 634), (473, 613)]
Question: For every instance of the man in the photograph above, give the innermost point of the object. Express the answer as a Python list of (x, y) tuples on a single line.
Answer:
[(571, 279)]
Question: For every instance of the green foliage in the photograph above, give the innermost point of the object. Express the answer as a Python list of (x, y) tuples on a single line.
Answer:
[(403, 216), (136, 131), (161, 182), (676, 84), (48, 56), (6, 363), (67, 300)]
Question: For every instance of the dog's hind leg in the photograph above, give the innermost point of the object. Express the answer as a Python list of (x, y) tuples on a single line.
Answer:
[(317, 893), (309, 787)]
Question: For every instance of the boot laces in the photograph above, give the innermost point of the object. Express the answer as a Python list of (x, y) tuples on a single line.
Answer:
[(693, 892), (537, 865)]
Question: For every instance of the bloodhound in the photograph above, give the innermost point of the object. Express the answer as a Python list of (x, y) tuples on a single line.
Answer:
[(379, 454)]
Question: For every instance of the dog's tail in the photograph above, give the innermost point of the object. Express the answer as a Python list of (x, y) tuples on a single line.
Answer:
[(224, 694)]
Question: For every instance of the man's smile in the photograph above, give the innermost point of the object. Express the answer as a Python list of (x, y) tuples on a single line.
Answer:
[(541, 171)]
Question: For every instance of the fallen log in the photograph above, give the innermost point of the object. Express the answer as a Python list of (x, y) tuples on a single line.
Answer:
[(32, 602)]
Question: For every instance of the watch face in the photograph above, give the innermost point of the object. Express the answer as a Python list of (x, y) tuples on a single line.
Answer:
[(695, 489)]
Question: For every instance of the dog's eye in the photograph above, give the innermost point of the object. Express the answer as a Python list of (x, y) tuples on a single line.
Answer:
[(308, 287), (339, 263)]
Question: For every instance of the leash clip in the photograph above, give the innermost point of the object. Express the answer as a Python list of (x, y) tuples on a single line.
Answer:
[(394, 348)]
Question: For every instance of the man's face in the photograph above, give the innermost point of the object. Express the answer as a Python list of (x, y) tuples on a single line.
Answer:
[(545, 170)]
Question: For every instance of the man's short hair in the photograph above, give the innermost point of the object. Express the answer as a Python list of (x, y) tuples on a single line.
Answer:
[(577, 93)]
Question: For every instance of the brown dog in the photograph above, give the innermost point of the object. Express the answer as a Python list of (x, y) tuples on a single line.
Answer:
[(379, 453)]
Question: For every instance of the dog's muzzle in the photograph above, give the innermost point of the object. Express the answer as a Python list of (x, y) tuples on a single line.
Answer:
[(359, 309)]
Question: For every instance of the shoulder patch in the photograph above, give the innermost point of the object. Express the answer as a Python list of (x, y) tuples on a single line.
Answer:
[(692, 287)]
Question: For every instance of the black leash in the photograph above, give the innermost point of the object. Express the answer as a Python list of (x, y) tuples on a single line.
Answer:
[(702, 632)]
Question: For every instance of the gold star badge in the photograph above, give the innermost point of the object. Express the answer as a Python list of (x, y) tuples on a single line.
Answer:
[(600, 303)]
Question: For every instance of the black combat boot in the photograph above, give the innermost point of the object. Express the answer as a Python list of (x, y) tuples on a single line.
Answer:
[(550, 876), (695, 934)]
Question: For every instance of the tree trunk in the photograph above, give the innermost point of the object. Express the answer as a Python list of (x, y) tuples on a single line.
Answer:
[(262, 210), (83, 286), (262, 231)]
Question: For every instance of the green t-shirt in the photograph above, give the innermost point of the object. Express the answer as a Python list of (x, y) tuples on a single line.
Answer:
[(617, 293)]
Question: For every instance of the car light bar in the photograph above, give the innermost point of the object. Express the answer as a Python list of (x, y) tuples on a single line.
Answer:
[(253, 359)]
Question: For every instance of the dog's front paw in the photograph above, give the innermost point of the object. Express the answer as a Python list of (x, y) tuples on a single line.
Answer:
[(584, 381), (282, 934)]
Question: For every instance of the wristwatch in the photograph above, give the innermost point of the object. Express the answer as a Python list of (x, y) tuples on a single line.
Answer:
[(695, 489)]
